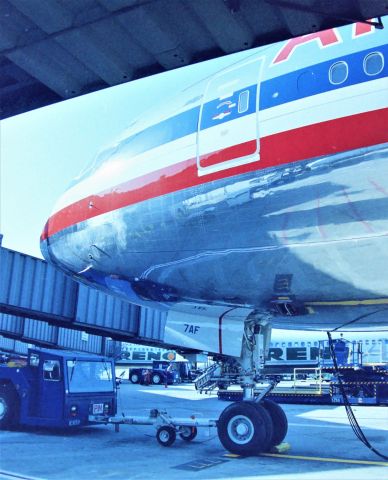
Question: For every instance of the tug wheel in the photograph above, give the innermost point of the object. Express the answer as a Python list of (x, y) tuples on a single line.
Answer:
[(245, 428), (134, 378), (156, 379), (279, 420), (188, 433), (166, 436), (8, 407)]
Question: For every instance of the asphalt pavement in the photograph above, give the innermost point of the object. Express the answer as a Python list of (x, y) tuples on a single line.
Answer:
[(321, 445)]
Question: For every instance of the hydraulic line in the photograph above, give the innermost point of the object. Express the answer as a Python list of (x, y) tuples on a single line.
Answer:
[(357, 319), (349, 411)]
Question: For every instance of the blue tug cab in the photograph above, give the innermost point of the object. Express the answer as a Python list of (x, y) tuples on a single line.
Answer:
[(53, 388)]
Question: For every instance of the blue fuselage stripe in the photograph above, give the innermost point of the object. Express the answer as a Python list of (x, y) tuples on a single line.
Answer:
[(292, 86), (315, 79)]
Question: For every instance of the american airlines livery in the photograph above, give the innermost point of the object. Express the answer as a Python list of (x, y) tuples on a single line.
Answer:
[(258, 197)]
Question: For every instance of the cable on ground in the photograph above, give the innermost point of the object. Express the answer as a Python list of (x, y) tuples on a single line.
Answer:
[(349, 411)]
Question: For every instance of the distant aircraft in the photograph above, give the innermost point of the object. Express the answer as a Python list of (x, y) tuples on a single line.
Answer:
[(294, 349), (257, 198)]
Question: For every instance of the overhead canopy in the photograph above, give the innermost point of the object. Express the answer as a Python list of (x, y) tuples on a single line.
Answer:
[(52, 50)]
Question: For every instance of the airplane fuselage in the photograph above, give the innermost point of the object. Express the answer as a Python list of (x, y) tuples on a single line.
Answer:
[(263, 186)]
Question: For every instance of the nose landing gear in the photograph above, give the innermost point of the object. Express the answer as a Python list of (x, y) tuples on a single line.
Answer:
[(254, 425)]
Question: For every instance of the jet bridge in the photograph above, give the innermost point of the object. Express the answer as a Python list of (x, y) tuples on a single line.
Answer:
[(40, 305)]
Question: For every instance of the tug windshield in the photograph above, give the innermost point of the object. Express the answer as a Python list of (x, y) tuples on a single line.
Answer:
[(89, 376)]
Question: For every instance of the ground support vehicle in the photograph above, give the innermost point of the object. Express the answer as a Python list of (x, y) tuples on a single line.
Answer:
[(361, 384), (281, 395), (366, 387), (56, 389), (161, 372)]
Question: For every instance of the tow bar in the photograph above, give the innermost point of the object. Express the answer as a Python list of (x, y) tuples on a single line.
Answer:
[(167, 427)]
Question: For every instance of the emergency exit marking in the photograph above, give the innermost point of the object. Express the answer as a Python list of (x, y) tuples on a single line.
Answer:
[(201, 464)]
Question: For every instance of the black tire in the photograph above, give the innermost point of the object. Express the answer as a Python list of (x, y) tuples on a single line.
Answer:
[(279, 421), (9, 407), (166, 436), (134, 378), (188, 433), (156, 379), (245, 428)]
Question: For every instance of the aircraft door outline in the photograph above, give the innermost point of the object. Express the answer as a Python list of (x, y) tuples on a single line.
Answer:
[(228, 126)]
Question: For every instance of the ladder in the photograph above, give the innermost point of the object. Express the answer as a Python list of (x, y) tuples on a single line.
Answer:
[(206, 381)]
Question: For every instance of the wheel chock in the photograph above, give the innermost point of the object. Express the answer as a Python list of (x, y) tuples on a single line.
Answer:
[(281, 448)]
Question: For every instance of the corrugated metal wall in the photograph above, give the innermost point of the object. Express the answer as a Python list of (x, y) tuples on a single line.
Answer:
[(31, 288), (14, 346), (36, 332), (72, 342), (12, 325), (108, 313), (30, 283), (6, 344), (41, 332), (152, 324), (81, 341)]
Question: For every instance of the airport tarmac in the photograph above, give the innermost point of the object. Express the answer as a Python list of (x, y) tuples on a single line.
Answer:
[(323, 445)]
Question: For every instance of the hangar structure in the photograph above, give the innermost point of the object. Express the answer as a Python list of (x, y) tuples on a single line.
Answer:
[(53, 50)]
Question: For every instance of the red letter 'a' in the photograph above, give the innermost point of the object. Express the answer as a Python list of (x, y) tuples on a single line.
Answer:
[(325, 38), (362, 29)]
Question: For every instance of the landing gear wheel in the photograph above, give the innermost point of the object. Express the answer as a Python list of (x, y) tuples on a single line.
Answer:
[(188, 433), (279, 420), (245, 428), (166, 436), (8, 407), (156, 379), (134, 378)]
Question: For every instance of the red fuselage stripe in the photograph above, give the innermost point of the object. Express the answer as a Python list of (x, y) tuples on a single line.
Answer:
[(326, 138), (230, 153)]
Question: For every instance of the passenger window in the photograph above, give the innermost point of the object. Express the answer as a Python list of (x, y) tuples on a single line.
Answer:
[(243, 101), (51, 370), (373, 63), (338, 73)]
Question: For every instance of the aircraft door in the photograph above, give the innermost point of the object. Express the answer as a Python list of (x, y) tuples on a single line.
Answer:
[(228, 123)]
